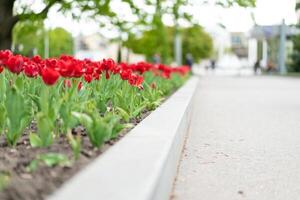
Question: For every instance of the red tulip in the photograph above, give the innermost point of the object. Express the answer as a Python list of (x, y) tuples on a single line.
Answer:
[(89, 70), (96, 76), (79, 86), (67, 83), (136, 80), (1, 69), (15, 64), (107, 76), (37, 59), (4, 56), (139, 81), (31, 70), (108, 64), (88, 78), (50, 76), (125, 74)]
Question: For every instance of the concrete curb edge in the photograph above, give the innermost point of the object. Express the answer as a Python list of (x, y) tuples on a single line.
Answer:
[(143, 164)]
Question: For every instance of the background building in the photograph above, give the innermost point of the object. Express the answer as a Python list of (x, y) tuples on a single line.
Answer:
[(239, 44), (97, 47), (267, 40)]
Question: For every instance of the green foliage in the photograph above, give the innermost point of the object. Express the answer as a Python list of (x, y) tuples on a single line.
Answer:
[(52, 159), (295, 65), (4, 180), (128, 109), (75, 144), (92, 8), (194, 40), (158, 39), (242, 3), (297, 5), (97, 129), (100, 129), (29, 38), (35, 140), (114, 125), (103, 107), (45, 127), (17, 110), (60, 42), (2, 106), (46, 116), (49, 160), (148, 44)]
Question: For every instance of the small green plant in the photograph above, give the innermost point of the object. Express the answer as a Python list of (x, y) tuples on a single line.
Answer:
[(114, 125), (97, 129), (46, 117), (128, 102), (50, 160), (2, 106), (17, 112), (4, 180), (35, 140), (75, 143)]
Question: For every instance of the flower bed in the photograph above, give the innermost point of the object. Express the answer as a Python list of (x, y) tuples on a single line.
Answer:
[(58, 114)]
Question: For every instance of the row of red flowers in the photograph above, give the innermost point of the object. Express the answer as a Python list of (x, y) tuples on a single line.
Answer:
[(52, 69)]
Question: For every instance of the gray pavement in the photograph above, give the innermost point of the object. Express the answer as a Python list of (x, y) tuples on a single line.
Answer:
[(244, 141)]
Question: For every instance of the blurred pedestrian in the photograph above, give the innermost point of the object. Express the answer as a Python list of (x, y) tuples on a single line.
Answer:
[(156, 59), (257, 67), (213, 64), (189, 60), (271, 66)]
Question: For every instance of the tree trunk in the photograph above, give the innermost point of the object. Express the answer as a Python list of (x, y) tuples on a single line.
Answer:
[(128, 55), (5, 43), (119, 56), (7, 22)]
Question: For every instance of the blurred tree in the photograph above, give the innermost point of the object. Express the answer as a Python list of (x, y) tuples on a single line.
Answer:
[(23, 34), (197, 42), (124, 26), (242, 3), (178, 14), (176, 10), (160, 33), (154, 22), (294, 66), (148, 44), (60, 41), (194, 41), (13, 11), (8, 18)]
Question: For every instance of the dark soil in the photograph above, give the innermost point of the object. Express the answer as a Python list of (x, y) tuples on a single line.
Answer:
[(42, 182)]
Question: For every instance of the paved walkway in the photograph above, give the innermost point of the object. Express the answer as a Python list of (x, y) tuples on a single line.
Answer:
[(244, 141)]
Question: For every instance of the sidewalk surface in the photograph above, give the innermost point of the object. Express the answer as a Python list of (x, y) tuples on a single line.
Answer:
[(244, 141)]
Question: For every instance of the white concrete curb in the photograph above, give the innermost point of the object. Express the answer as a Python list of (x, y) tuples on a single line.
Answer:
[(142, 165)]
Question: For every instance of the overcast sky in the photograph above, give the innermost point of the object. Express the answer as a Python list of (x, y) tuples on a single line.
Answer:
[(267, 12)]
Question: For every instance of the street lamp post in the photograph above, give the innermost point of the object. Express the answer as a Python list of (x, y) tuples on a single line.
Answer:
[(178, 46), (282, 46), (46, 38)]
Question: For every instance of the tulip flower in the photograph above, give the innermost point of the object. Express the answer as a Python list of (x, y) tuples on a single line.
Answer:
[(49, 76), (88, 78)]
